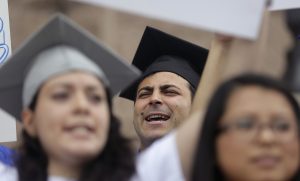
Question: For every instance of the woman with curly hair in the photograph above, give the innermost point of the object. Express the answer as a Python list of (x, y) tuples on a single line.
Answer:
[(58, 85)]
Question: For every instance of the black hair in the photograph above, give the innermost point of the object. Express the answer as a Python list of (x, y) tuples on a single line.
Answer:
[(205, 166), (114, 163), (192, 90)]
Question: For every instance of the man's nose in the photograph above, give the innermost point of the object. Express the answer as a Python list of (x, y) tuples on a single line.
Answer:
[(155, 98)]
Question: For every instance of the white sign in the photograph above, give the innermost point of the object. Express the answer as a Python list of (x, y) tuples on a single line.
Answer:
[(8, 130), (5, 42), (284, 4), (7, 123), (234, 17)]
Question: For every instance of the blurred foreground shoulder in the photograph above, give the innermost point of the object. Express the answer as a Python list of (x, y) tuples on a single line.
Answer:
[(160, 161)]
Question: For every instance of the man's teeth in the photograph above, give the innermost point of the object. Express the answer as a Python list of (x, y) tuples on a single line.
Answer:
[(157, 117)]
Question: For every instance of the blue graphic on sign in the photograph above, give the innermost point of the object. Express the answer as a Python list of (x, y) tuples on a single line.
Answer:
[(4, 49)]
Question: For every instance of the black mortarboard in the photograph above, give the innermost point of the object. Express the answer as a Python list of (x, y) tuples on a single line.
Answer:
[(161, 52), (58, 47)]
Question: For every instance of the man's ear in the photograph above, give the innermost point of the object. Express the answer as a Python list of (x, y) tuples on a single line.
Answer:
[(28, 122)]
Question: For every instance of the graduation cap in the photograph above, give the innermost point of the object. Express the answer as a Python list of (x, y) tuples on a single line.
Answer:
[(58, 47), (161, 52)]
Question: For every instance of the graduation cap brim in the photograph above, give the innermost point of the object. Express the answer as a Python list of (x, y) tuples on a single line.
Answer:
[(154, 44), (59, 31)]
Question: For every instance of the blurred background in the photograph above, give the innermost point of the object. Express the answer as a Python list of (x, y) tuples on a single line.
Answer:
[(122, 32)]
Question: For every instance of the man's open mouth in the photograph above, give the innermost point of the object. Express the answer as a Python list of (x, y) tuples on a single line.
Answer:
[(157, 117)]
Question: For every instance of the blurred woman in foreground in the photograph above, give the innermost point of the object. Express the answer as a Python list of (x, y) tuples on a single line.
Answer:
[(250, 132)]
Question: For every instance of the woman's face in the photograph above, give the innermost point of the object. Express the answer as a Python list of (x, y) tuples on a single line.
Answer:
[(258, 138), (71, 118)]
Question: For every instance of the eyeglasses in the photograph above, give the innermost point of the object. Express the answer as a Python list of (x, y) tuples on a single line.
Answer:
[(249, 127)]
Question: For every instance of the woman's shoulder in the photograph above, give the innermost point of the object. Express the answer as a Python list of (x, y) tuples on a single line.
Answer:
[(8, 173)]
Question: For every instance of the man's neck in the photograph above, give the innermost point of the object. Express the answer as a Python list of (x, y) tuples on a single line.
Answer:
[(146, 143)]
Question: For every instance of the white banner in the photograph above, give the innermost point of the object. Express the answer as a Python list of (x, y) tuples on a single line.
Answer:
[(284, 4), (8, 130), (239, 18), (5, 41), (7, 123)]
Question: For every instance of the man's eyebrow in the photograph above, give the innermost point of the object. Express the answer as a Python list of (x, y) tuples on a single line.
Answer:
[(146, 88), (166, 86)]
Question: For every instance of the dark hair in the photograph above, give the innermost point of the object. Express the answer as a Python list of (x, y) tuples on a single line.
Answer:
[(114, 163), (192, 90), (205, 167)]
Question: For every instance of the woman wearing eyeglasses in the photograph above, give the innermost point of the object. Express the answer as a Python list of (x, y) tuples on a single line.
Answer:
[(250, 133)]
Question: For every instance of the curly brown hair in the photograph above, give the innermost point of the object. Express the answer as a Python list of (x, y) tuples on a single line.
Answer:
[(114, 163)]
